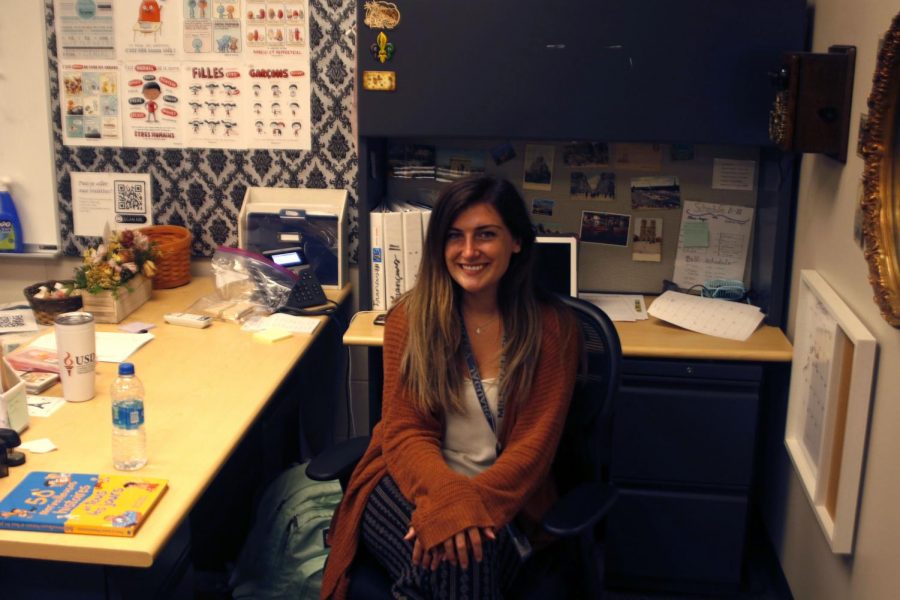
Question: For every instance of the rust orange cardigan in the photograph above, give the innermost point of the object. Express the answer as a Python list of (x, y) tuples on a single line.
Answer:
[(407, 445)]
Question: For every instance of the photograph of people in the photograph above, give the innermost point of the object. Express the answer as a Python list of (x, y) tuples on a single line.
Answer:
[(460, 461)]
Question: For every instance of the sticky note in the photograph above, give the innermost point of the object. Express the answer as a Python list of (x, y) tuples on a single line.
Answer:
[(271, 335), (695, 234)]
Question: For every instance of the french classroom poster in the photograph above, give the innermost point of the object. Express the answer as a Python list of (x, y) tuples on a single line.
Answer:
[(279, 106), (84, 30), (148, 29), (89, 103), (153, 105), (211, 30), (216, 98)]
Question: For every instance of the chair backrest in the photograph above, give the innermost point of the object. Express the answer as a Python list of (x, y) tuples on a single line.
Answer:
[(583, 453)]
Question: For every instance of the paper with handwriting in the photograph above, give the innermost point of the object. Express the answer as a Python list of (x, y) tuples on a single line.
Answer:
[(725, 255)]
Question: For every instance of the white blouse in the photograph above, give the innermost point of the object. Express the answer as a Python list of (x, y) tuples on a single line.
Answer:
[(469, 445)]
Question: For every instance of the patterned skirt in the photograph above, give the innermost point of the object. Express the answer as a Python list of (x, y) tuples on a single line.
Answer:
[(386, 520)]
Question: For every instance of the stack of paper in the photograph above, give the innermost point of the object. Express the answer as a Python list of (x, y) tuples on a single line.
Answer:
[(618, 307), (111, 347), (721, 318)]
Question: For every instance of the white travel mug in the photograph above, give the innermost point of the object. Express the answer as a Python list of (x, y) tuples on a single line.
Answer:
[(76, 352)]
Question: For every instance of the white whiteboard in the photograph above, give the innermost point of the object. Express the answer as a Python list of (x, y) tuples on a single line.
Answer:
[(26, 143)]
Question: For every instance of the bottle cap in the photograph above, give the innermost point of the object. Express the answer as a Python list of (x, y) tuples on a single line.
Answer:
[(126, 368)]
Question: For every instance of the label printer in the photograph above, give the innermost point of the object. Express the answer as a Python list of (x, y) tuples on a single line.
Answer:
[(312, 221)]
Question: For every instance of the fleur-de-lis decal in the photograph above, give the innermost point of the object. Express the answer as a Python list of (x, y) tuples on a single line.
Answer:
[(382, 49)]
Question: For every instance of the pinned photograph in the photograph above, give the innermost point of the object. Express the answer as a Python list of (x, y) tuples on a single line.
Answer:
[(592, 186), (648, 193), (552, 228), (542, 207), (605, 228), (411, 161), (646, 242), (538, 167), (503, 153), (453, 164), (586, 154), (638, 157), (681, 152)]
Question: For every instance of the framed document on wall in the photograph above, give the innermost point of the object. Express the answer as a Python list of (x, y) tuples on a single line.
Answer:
[(828, 408)]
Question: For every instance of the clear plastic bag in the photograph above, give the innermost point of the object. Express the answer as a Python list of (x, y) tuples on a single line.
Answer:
[(247, 283)]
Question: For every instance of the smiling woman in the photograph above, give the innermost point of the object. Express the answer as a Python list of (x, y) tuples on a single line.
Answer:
[(881, 178)]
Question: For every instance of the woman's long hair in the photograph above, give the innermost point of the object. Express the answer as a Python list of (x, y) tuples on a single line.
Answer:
[(433, 355)]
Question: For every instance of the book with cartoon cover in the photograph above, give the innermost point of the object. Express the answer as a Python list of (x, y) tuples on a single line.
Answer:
[(94, 504)]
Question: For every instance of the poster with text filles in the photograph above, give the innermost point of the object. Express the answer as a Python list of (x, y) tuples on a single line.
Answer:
[(186, 73)]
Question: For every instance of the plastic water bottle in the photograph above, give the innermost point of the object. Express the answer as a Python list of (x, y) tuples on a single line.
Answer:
[(129, 441)]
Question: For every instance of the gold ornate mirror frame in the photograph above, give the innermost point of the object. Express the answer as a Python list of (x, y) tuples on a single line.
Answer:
[(881, 178)]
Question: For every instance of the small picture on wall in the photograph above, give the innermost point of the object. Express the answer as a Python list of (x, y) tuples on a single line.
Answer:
[(453, 163), (646, 241), (586, 185), (605, 228), (503, 153), (648, 193), (551, 228), (638, 157), (542, 207), (538, 167), (586, 154)]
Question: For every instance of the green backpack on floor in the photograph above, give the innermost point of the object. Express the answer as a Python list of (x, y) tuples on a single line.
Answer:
[(284, 555)]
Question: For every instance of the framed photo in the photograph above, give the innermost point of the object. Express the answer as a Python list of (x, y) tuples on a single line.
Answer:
[(828, 407)]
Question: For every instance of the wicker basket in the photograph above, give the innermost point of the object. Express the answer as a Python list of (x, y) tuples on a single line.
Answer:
[(174, 262), (46, 309)]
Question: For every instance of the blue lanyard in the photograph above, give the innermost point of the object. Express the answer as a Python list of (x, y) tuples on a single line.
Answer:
[(479, 387)]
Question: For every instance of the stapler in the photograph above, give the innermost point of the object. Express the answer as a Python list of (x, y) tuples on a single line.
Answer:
[(9, 439)]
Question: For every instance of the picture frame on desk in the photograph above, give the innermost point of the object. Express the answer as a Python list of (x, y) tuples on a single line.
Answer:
[(828, 407)]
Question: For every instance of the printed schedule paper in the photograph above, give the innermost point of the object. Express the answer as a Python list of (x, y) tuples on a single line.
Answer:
[(719, 318)]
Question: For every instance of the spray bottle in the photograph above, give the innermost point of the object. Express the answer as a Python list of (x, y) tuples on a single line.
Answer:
[(10, 226)]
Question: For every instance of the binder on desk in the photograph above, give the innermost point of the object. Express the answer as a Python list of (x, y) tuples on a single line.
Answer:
[(397, 243), (376, 225), (393, 257)]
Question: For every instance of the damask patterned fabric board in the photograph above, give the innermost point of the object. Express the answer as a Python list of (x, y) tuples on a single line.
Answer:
[(202, 189)]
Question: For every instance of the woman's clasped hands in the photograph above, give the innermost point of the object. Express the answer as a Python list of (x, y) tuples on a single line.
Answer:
[(455, 549)]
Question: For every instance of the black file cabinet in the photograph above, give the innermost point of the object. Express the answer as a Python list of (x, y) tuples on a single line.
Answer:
[(682, 455)]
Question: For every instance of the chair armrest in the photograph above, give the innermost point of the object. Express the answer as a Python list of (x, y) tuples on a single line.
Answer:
[(580, 509), (338, 461)]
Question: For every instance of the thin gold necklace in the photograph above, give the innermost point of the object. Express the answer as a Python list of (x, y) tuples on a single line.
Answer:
[(478, 328)]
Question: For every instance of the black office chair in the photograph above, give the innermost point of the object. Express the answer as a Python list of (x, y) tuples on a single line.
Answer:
[(580, 469)]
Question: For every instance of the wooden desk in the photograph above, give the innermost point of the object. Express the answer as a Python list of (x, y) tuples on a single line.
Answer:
[(650, 338), (204, 389)]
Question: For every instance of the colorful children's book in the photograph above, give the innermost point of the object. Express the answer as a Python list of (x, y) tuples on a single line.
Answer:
[(37, 381), (81, 503)]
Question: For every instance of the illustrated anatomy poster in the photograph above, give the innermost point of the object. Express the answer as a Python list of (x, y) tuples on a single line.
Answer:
[(89, 103), (84, 29), (153, 105), (725, 256)]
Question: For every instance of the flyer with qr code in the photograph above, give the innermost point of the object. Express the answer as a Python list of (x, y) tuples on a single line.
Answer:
[(117, 200)]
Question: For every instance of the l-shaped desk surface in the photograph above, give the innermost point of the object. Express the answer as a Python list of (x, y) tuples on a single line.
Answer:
[(204, 388), (650, 338)]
